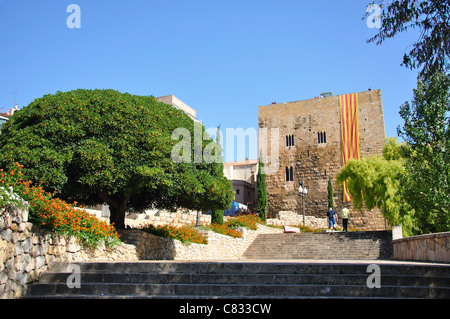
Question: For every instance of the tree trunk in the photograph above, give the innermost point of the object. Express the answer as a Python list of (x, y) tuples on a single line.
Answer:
[(117, 207)]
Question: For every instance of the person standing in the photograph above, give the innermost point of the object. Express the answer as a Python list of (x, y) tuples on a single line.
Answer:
[(344, 216), (332, 218)]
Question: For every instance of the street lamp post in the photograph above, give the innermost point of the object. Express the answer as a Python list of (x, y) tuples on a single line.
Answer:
[(303, 191)]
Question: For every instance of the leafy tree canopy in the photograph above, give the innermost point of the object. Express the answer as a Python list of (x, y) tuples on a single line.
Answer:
[(95, 146), (427, 153), (375, 182), (431, 52)]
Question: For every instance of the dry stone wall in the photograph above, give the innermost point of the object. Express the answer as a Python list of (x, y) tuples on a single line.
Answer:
[(26, 252)]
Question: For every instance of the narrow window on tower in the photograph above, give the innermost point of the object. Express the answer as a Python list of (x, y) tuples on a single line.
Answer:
[(291, 174), (287, 141), (292, 140), (321, 137), (287, 174)]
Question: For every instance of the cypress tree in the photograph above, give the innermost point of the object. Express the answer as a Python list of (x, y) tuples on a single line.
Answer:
[(330, 193), (217, 214), (261, 204)]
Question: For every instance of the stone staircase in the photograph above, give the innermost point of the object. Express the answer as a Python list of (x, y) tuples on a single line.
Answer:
[(336, 245), (244, 279)]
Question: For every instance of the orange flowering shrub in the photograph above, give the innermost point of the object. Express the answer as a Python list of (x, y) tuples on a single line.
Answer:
[(185, 234), (249, 221), (57, 215), (224, 229)]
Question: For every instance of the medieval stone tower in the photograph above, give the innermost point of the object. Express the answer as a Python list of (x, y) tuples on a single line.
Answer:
[(315, 138)]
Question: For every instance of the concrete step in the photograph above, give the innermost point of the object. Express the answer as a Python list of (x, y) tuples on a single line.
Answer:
[(336, 245), (255, 279), (243, 280), (250, 290)]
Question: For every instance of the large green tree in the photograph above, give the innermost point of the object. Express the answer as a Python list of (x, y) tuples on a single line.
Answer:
[(376, 182), (427, 153), (95, 146), (431, 52)]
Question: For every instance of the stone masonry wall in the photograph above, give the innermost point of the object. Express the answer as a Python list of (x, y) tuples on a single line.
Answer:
[(26, 252), (162, 217), (315, 162), (287, 218), (430, 247)]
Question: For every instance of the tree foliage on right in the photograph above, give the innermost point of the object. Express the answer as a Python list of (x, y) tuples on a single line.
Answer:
[(426, 184), (431, 52)]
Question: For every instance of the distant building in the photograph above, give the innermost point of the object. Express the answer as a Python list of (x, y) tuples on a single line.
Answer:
[(242, 175), (175, 102), (3, 119), (12, 110)]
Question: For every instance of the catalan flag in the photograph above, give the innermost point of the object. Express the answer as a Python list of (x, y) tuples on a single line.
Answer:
[(348, 104)]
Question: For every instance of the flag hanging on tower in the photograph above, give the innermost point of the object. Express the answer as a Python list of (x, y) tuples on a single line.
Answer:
[(348, 104)]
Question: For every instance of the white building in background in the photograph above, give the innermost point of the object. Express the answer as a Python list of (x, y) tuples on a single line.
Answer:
[(242, 175), (176, 102)]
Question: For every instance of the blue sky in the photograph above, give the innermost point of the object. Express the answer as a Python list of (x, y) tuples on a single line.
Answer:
[(223, 58)]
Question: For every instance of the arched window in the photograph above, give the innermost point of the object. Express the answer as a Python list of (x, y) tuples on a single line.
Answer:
[(287, 141), (292, 139), (287, 174)]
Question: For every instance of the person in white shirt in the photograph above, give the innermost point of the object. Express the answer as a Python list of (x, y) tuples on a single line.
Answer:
[(344, 216)]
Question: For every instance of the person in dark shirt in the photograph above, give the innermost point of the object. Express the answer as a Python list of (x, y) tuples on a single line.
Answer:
[(332, 218)]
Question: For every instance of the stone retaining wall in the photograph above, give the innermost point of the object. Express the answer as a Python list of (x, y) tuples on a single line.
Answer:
[(219, 247), (26, 252), (288, 218), (162, 217), (430, 247)]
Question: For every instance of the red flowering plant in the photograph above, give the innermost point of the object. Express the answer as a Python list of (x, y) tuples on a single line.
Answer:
[(55, 214), (224, 229), (249, 221), (186, 234)]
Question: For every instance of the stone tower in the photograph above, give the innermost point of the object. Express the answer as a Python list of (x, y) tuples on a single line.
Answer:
[(311, 145)]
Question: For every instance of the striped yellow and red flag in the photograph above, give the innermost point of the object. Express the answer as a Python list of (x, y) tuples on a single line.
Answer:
[(348, 104)]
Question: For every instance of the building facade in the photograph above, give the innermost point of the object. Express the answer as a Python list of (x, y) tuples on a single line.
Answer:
[(3, 120), (315, 138), (242, 175)]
